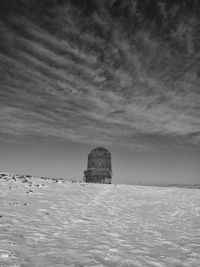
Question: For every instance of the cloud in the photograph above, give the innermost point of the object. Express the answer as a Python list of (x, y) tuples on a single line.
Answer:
[(83, 79)]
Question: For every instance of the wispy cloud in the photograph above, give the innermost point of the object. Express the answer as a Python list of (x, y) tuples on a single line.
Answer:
[(79, 84)]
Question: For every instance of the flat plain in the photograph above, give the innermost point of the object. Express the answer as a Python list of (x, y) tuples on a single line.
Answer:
[(45, 222)]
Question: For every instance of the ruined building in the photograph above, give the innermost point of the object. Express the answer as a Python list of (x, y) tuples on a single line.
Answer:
[(99, 168)]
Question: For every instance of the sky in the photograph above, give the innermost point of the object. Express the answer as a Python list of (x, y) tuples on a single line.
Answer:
[(125, 75)]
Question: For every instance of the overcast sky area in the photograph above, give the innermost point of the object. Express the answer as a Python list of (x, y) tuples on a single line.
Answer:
[(79, 74)]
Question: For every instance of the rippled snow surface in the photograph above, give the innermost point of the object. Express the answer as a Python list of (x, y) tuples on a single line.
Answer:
[(67, 224)]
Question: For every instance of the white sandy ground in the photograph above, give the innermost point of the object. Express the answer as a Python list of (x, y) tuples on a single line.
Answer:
[(77, 224)]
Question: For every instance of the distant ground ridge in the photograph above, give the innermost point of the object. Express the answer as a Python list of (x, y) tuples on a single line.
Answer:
[(26, 178)]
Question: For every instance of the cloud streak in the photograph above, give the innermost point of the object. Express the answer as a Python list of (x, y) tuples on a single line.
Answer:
[(72, 77)]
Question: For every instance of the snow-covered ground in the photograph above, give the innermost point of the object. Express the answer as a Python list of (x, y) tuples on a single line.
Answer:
[(49, 223)]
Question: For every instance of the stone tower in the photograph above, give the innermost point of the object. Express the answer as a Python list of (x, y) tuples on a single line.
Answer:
[(99, 168)]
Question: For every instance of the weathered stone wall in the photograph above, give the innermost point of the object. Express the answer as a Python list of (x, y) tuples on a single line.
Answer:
[(99, 162), (99, 159), (99, 169), (93, 176)]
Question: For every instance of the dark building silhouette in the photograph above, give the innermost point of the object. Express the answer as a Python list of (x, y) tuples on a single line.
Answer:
[(99, 168)]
